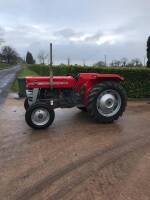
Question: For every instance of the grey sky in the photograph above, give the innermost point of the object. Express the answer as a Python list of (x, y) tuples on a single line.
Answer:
[(79, 29)]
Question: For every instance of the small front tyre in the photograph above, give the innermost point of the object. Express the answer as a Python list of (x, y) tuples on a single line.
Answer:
[(39, 116), (26, 104)]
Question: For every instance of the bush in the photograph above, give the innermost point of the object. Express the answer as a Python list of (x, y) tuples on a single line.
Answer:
[(137, 80)]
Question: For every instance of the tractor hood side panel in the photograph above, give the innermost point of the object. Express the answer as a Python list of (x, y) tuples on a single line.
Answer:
[(44, 82)]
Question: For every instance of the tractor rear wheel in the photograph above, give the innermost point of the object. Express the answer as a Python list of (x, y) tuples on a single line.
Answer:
[(39, 116), (107, 102)]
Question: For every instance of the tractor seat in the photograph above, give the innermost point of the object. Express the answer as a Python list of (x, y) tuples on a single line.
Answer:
[(76, 76)]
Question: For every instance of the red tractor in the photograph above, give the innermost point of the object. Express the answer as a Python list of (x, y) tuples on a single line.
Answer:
[(101, 95)]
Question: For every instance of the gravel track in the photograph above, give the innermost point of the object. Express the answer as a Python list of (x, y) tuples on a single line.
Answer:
[(6, 78), (75, 158)]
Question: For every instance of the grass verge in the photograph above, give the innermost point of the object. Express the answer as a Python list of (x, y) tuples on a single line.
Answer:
[(5, 66), (23, 73)]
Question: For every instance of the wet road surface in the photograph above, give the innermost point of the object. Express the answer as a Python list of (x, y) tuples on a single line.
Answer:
[(6, 78), (75, 158)]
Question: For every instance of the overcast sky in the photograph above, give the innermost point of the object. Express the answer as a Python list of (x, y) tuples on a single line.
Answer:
[(79, 29)]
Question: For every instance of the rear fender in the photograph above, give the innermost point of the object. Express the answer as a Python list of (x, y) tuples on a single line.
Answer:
[(93, 82)]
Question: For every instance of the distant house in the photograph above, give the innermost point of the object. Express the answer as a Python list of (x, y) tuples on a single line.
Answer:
[(0, 57)]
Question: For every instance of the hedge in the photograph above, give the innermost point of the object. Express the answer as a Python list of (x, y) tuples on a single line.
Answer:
[(137, 80)]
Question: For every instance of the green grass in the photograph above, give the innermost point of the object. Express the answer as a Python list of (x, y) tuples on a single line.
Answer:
[(26, 72), (4, 66), (23, 73)]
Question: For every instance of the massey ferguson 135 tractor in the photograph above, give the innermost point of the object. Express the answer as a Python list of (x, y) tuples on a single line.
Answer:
[(101, 95)]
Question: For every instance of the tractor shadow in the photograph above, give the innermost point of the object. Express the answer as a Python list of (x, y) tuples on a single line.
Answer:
[(69, 122), (83, 117)]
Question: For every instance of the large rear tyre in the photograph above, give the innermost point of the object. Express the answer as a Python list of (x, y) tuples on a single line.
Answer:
[(39, 116), (107, 102)]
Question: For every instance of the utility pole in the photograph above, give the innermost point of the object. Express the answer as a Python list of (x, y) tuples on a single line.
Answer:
[(84, 62), (51, 65), (51, 54), (144, 61), (68, 60), (105, 57)]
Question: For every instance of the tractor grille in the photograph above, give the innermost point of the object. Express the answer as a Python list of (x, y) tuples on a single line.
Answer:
[(29, 94)]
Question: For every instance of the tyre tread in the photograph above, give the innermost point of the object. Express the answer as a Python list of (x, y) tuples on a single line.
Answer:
[(93, 97)]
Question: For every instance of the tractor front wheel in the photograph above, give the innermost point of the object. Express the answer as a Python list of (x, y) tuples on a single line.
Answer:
[(26, 104), (39, 116), (107, 101)]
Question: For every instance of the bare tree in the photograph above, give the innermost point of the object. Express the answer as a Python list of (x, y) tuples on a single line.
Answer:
[(135, 62), (124, 61), (112, 63), (100, 64), (42, 56), (116, 63), (9, 55)]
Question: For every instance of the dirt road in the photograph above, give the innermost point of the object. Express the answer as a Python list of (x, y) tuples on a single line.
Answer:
[(75, 158), (6, 78)]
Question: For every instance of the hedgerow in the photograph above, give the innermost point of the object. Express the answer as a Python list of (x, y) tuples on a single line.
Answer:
[(137, 80)]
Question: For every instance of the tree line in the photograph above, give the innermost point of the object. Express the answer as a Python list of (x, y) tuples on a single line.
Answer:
[(136, 62), (10, 56), (123, 62), (42, 56), (148, 52)]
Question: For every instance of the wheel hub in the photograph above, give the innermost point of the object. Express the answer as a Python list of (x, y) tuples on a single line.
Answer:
[(108, 103), (40, 116)]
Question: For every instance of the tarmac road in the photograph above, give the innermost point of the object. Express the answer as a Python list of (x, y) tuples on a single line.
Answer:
[(76, 158), (6, 78)]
